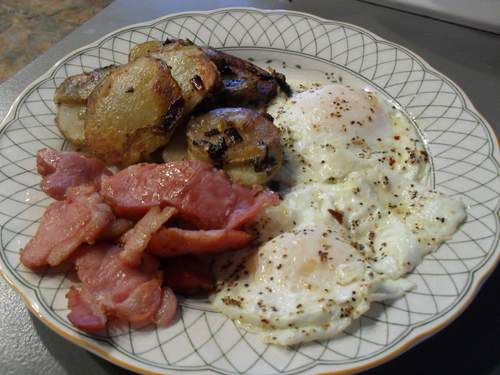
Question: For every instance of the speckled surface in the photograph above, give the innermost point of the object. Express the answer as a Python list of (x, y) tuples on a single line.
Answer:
[(29, 27)]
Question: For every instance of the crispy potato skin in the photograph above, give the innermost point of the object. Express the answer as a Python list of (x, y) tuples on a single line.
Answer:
[(133, 112), (76, 89), (144, 49), (245, 143), (71, 100), (196, 75), (243, 82)]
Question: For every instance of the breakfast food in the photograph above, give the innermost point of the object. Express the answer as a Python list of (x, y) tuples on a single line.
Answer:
[(170, 242), (135, 241), (71, 101), (111, 289), (305, 284), (133, 112), (125, 114), (334, 130), (196, 75), (189, 275), (243, 142), (356, 216), (66, 225), (62, 170), (76, 89), (243, 82), (203, 196), (90, 226), (352, 215)]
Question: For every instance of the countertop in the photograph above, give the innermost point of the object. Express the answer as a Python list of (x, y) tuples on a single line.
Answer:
[(470, 57), (29, 27)]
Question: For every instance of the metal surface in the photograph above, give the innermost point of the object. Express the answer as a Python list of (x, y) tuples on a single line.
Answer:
[(470, 57)]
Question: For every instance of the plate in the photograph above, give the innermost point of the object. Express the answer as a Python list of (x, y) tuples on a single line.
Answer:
[(465, 163)]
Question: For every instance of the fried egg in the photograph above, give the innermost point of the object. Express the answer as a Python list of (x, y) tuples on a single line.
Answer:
[(357, 215), (305, 284), (331, 131), (394, 221)]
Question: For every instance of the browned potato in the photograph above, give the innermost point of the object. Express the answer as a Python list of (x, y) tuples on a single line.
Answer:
[(133, 112), (71, 100), (70, 121), (245, 143), (196, 75), (244, 82), (144, 49), (76, 89)]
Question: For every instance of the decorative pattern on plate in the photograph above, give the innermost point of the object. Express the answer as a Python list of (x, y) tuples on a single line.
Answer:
[(465, 155)]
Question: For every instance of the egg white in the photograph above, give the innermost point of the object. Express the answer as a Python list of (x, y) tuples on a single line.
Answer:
[(305, 284), (355, 180), (331, 131), (394, 220)]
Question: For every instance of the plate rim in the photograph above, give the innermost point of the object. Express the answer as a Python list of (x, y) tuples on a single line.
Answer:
[(479, 277)]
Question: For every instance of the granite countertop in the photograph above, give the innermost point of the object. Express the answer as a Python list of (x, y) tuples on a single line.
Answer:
[(29, 27)]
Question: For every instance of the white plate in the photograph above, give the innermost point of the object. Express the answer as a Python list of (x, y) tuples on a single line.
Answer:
[(465, 159)]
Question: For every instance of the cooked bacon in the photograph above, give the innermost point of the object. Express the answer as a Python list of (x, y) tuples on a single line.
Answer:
[(136, 239), (126, 283), (61, 170), (168, 308), (169, 242), (203, 196), (84, 312), (116, 229), (111, 288), (104, 274), (142, 304), (244, 214), (65, 225), (187, 275)]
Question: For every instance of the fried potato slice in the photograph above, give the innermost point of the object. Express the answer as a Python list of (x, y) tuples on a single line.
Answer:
[(196, 75), (144, 49), (76, 89), (133, 112), (71, 100), (70, 122), (245, 143), (244, 82)]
